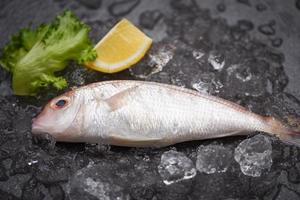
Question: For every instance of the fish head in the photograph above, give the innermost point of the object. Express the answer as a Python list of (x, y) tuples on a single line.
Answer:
[(58, 116)]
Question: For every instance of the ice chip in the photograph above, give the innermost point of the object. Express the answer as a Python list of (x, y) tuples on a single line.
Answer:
[(244, 75), (202, 87), (198, 54), (161, 58), (213, 159), (232, 69), (216, 60), (158, 57), (178, 81), (254, 155), (96, 188), (207, 83), (175, 166)]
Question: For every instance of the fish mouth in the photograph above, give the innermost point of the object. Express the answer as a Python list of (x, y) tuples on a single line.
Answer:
[(39, 132), (37, 128)]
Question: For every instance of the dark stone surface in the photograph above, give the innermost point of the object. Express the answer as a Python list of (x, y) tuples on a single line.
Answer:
[(211, 46)]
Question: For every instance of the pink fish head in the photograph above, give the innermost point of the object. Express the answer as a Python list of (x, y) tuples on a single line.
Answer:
[(58, 117)]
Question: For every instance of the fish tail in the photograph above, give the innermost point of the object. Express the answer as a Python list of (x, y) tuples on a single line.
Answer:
[(284, 133)]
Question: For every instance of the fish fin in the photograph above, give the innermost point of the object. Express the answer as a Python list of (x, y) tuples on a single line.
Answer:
[(118, 100), (134, 141), (284, 133)]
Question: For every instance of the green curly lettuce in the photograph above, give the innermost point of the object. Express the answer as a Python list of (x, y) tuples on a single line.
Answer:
[(33, 56)]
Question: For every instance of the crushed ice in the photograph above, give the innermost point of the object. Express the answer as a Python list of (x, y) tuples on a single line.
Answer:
[(244, 76), (254, 155), (161, 58), (157, 59), (207, 83), (175, 166), (213, 159), (96, 188), (216, 60), (201, 86), (90, 183), (198, 54)]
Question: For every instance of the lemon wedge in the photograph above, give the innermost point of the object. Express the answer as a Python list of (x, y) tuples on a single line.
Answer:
[(123, 46)]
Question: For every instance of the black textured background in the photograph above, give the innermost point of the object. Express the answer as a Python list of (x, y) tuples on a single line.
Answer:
[(260, 37)]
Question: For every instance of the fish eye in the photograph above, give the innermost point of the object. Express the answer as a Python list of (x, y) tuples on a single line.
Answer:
[(61, 103)]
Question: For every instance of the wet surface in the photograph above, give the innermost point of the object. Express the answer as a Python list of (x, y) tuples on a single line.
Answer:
[(244, 51)]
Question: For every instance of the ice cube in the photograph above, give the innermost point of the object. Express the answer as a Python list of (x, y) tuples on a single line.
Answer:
[(175, 166), (95, 181), (213, 159), (254, 155)]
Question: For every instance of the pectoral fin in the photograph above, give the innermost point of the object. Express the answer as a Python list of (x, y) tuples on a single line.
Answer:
[(120, 99), (134, 141)]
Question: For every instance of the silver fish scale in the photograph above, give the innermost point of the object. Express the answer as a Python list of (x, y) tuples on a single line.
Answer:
[(152, 110)]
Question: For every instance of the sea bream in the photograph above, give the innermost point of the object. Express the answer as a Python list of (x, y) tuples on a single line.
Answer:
[(148, 114)]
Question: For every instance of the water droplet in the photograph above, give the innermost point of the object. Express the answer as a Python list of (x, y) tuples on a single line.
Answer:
[(148, 19), (183, 4), (32, 162), (122, 8), (245, 25), (91, 4), (276, 42), (221, 7), (245, 2), (261, 7), (267, 29)]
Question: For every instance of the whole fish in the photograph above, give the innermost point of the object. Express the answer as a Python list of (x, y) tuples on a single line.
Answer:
[(148, 114)]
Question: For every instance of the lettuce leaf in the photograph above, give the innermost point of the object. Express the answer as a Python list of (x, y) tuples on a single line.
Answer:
[(33, 56)]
